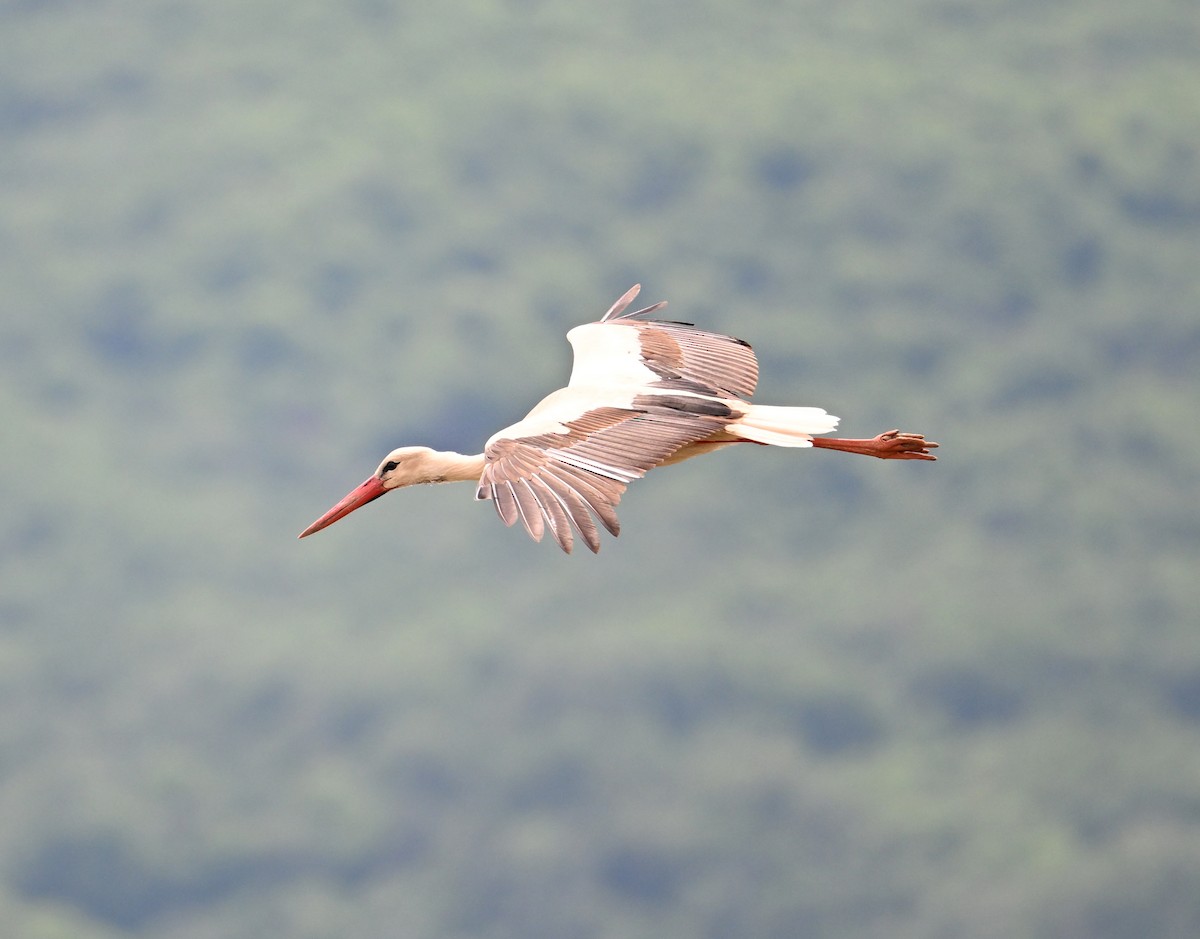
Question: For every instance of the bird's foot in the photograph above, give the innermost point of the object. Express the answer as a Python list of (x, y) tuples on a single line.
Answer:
[(893, 445)]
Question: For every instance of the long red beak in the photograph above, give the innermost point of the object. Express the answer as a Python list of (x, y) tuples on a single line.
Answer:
[(369, 491)]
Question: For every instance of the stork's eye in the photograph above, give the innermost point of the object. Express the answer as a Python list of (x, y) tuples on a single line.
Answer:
[(389, 466)]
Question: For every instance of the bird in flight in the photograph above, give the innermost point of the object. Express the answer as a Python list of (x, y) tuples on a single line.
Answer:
[(642, 393)]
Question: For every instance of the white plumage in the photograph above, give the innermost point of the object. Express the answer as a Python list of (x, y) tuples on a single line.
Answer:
[(642, 393)]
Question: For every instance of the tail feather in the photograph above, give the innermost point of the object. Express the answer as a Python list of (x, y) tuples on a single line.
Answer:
[(783, 426)]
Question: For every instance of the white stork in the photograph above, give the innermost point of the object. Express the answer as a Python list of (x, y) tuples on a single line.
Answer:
[(642, 393)]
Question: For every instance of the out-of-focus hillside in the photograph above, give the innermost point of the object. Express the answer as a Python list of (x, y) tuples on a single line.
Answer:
[(246, 248)]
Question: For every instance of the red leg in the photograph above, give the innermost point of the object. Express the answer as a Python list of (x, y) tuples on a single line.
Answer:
[(892, 445)]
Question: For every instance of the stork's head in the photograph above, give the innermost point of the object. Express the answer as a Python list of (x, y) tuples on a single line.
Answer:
[(404, 466)]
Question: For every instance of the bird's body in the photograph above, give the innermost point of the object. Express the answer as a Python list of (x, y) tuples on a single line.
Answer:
[(642, 393)]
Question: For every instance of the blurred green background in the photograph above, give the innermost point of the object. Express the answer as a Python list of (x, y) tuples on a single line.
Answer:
[(248, 247)]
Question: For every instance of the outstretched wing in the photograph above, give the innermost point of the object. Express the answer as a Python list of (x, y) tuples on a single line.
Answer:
[(562, 478), (639, 391), (659, 354)]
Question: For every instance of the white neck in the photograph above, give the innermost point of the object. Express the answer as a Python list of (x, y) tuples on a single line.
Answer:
[(451, 467)]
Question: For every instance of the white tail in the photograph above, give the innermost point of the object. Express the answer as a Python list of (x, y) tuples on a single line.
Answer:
[(783, 426)]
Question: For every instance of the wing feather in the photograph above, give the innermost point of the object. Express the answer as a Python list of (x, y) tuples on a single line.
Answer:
[(653, 387), (681, 352), (530, 509), (620, 350), (555, 514), (598, 493), (576, 508), (505, 502), (562, 479)]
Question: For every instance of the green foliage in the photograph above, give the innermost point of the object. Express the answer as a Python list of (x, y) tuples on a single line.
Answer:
[(247, 248)]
